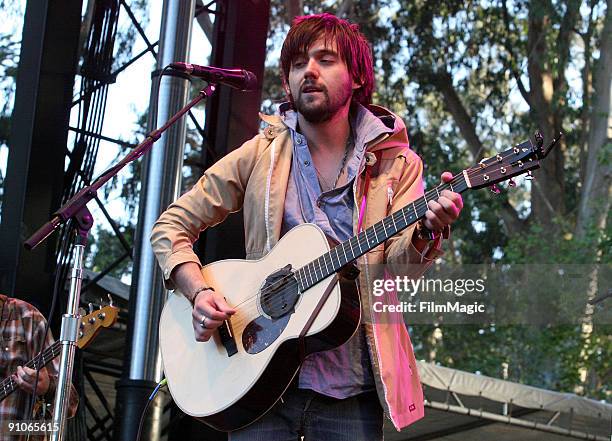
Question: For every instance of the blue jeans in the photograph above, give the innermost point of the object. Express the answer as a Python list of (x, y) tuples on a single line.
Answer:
[(316, 417)]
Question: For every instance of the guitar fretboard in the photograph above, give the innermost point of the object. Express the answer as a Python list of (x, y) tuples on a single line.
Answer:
[(331, 262), (8, 385)]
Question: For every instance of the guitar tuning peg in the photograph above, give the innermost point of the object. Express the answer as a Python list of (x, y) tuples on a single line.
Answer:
[(511, 183), (495, 189), (529, 176), (82, 311), (90, 306), (101, 303), (110, 299)]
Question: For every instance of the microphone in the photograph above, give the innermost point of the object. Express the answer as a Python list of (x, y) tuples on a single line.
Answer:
[(237, 78)]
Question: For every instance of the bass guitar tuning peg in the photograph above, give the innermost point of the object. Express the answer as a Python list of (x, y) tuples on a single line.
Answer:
[(511, 183), (110, 299), (495, 189), (529, 176)]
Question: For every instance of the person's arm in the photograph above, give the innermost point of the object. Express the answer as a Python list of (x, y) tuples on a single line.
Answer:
[(219, 192), (408, 253)]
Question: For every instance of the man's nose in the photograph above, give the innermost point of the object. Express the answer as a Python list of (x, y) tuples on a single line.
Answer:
[(312, 69)]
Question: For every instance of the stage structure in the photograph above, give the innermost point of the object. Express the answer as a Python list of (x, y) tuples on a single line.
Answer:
[(38, 181), (39, 128)]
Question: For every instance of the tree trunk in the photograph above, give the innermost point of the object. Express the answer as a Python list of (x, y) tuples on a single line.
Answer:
[(597, 188), (541, 84)]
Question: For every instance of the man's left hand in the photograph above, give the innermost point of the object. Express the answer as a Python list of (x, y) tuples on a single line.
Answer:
[(25, 378), (445, 210)]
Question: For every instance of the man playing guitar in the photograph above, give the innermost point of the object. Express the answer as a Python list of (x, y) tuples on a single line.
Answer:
[(310, 166)]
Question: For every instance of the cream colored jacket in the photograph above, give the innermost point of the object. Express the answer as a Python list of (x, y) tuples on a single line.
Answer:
[(254, 178)]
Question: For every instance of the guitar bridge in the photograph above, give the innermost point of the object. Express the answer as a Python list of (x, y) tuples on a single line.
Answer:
[(227, 338)]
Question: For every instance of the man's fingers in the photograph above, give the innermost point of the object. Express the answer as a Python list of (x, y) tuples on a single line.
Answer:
[(437, 215), (22, 382), (211, 312), (447, 176), (210, 323), (202, 334), (25, 375), (223, 306), (455, 198), (449, 207), (213, 306), (29, 371)]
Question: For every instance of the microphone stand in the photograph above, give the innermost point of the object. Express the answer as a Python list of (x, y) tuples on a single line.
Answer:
[(75, 211)]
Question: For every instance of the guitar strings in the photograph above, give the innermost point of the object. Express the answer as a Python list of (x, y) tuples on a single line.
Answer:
[(421, 203), (266, 293), (8, 381)]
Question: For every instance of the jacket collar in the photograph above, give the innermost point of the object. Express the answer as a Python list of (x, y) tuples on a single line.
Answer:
[(370, 124)]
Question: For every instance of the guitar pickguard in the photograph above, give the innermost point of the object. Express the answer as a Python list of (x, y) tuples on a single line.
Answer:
[(261, 333)]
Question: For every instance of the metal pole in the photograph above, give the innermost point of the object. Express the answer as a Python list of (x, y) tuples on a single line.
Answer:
[(536, 425), (70, 325), (160, 186)]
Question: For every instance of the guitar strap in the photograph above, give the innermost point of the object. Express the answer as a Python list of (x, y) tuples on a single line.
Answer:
[(314, 315), (335, 279)]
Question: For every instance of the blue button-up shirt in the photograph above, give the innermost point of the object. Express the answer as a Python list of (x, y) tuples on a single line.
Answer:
[(346, 370)]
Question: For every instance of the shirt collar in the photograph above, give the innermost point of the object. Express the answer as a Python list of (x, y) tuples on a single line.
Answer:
[(366, 126)]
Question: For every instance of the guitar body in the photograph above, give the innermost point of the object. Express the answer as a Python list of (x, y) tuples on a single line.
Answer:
[(233, 379)]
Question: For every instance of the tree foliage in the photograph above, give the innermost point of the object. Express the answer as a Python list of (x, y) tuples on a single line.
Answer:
[(471, 80)]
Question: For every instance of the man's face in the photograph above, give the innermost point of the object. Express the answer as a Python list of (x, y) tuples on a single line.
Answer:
[(320, 83)]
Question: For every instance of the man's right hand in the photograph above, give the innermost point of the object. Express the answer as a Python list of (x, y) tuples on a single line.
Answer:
[(209, 311)]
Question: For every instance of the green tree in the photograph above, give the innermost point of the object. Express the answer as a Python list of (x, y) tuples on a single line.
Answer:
[(471, 80)]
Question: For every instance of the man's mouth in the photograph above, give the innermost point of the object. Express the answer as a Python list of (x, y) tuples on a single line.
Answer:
[(311, 89)]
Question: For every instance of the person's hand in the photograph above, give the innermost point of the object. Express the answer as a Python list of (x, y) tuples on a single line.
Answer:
[(25, 378), (445, 210), (209, 311)]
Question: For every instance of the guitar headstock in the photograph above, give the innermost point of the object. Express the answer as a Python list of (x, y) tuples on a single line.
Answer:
[(521, 159), (91, 323)]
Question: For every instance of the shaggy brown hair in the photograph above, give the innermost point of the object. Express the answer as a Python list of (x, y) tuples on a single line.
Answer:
[(351, 44)]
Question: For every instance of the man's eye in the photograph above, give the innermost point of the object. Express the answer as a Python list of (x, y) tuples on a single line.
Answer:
[(327, 60), (298, 64)]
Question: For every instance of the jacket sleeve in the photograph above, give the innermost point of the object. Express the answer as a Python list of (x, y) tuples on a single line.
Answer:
[(219, 191), (401, 255)]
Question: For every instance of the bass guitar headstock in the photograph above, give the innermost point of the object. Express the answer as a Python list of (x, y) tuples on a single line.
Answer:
[(97, 319)]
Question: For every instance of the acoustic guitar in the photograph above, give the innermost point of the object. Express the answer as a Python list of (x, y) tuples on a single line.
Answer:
[(284, 309)]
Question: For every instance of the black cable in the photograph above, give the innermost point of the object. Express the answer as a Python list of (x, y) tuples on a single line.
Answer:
[(161, 384)]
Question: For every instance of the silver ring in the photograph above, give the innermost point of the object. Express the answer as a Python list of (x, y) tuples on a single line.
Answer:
[(203, 322)]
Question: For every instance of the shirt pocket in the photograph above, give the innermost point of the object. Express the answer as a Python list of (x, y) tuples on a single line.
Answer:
[(14, 353)]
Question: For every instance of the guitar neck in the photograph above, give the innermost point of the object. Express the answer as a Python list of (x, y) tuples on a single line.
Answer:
[(8, 385), (346, 252)]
